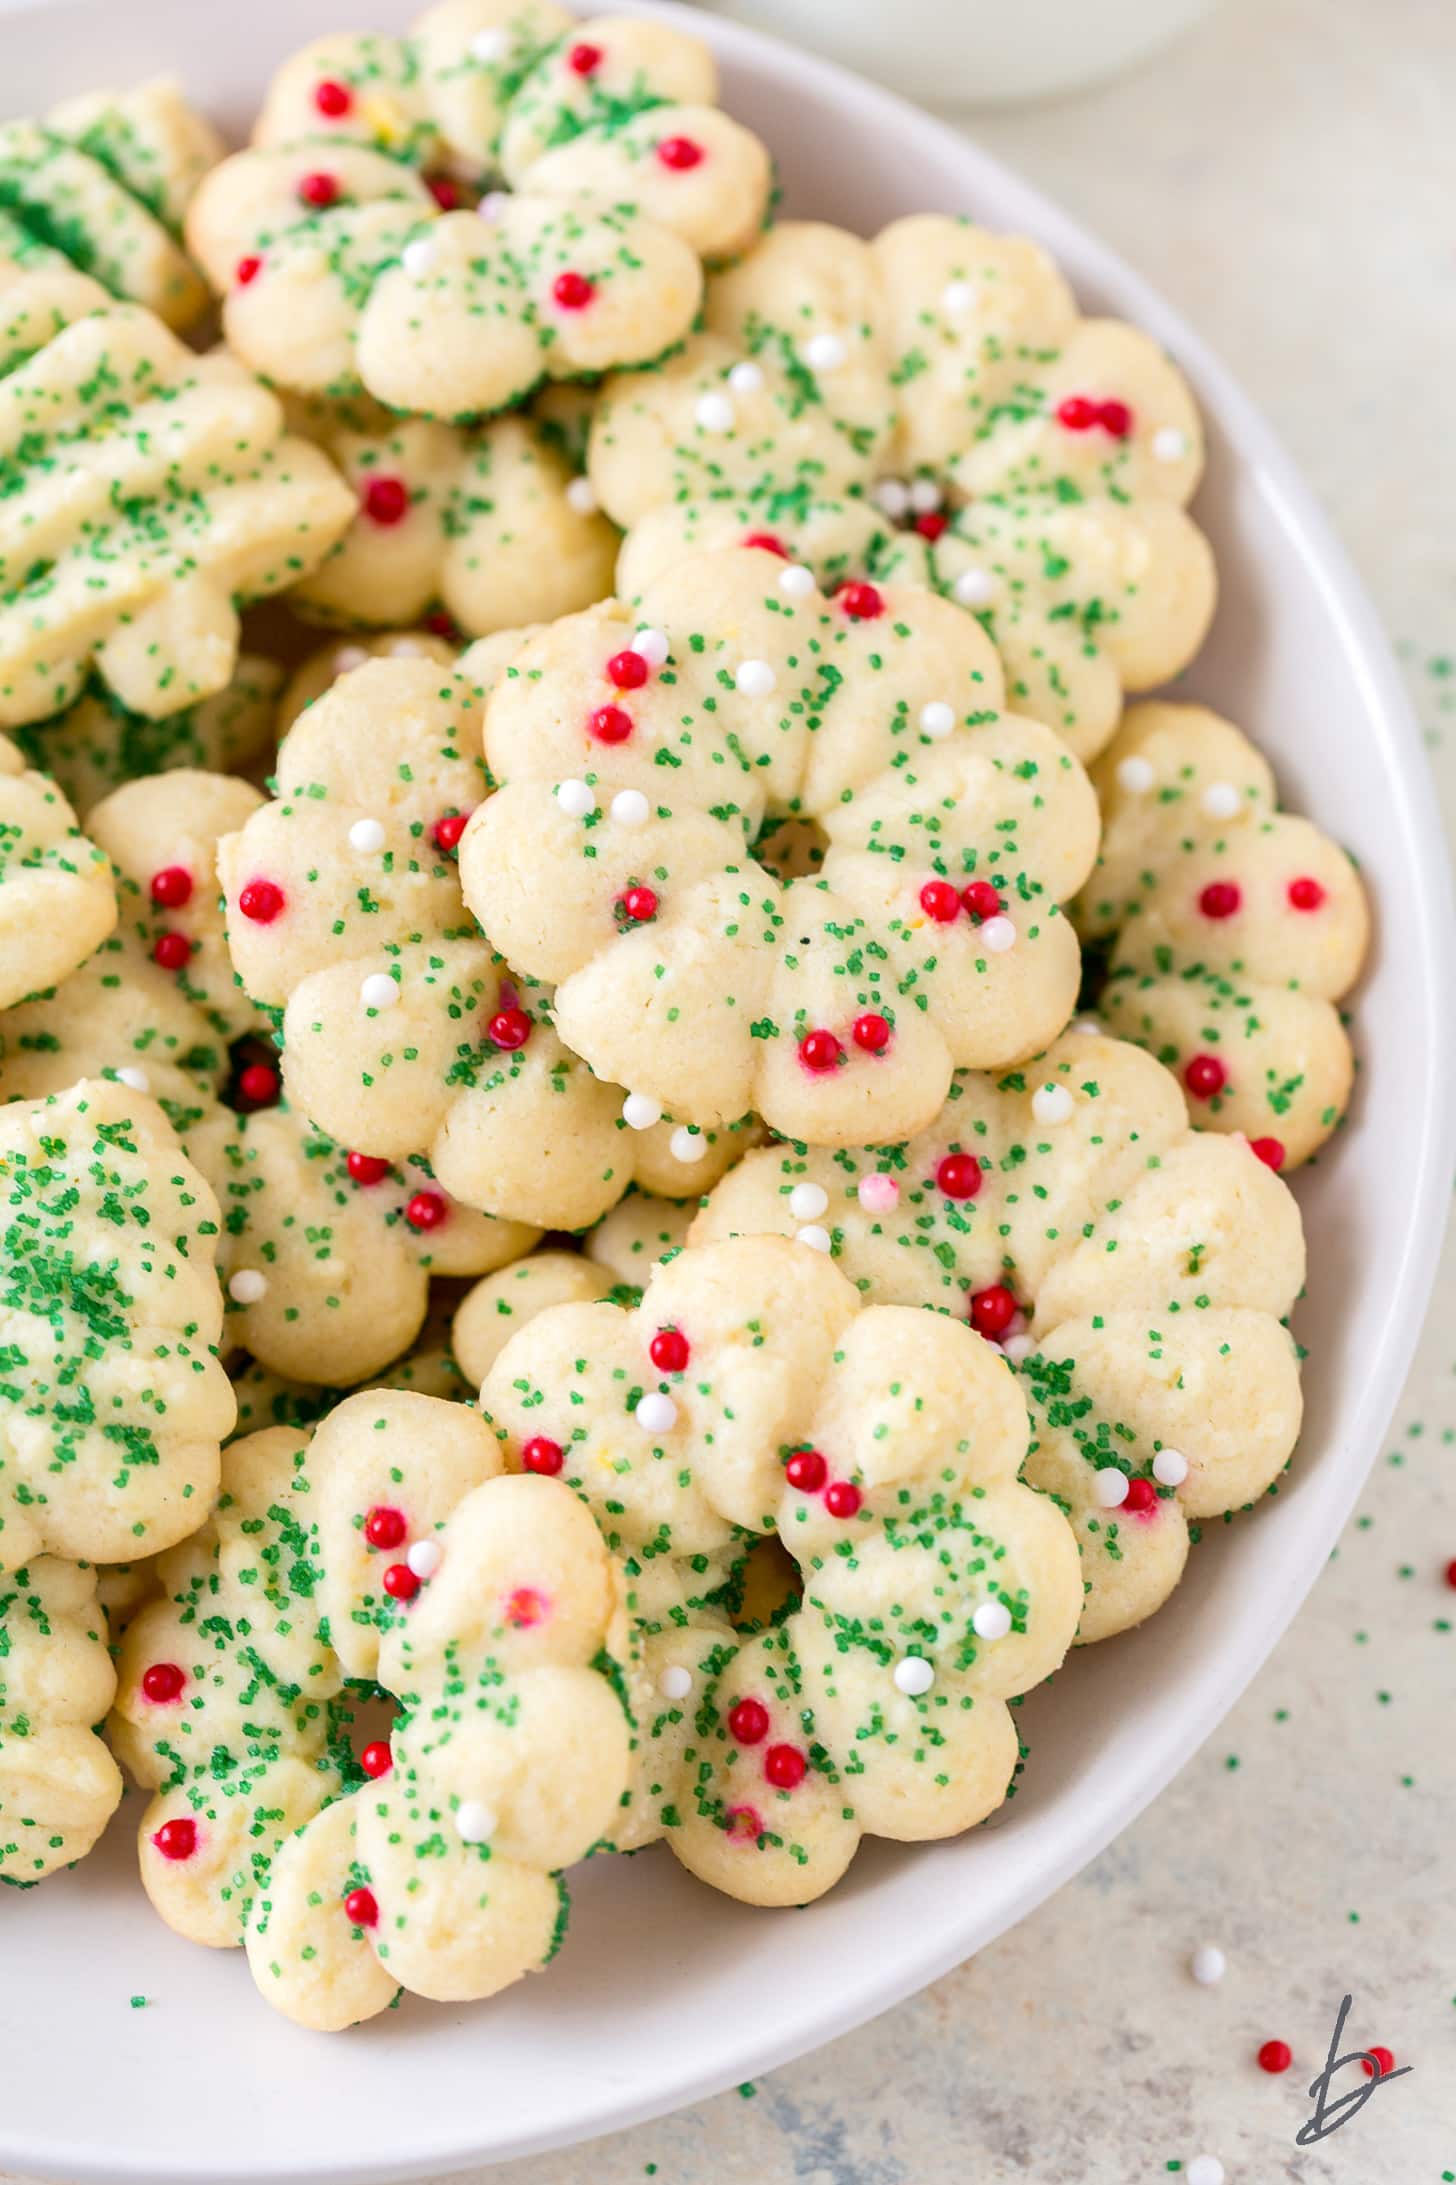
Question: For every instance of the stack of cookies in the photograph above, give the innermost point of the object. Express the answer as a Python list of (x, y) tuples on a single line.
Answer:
[(644, 1127)]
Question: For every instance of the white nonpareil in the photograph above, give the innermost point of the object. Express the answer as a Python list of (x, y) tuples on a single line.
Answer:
[(656, 1413), (808, 1201), (913, 1676), (378, 991), (425, 1557), (715, 412), (686, 1143), (1109, 1487), (366, 834), (575, 799), (992, 1620), (474, 1822), (630, 808), (640, 1111), (1051, 1104)]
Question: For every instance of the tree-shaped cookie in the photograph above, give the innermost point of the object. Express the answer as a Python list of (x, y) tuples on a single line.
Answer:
[(103, 185), (1137, 1273), (59, 1786), (151, 491), (403, 1031), (384, 1550), (642, 760), (325, 1254), (114, 1402), (748, 1394), (1234, 930), (57, 900), (937, 384)]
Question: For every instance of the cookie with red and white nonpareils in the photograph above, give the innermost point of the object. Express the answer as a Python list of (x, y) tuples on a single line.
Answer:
[(385, 1551), (114, 1403), (750, 1393), (1137, 1274), (325, 1254), (483, 525), (403, 1031), (59, 1786), (612, 108), (153, 491), (639, 759), (344, 272), (1235, 930), (931, 397), (57, 899)]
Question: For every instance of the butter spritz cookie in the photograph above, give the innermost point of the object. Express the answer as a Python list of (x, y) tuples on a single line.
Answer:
[(57, 898), (113, 1403), (59, 1786), (103, 185), (152, 491), (345, 270), (403, 1031), (325, 1255), (751, 1393), (1138, 1275), (931, 402), (640, 759), (484, 526), (381, 1553), (1233, 929)]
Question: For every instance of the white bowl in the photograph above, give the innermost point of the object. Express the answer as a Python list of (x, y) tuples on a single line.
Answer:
[(664, 1991)]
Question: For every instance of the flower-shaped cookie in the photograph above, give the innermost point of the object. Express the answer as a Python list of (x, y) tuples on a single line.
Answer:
[(103, 185), (484, 523), (57, 900), (637, 769), (613, 108), (151, 491), (383, 1550), (749, 1393), (325, 1255), (1136, 1272), (97, 744), (1234, 930), (59, 1786), (343, 273), (113, 1403), (938, 378), (403, 1031)]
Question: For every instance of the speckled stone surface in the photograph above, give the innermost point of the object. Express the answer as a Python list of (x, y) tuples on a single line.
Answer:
[(1287, 176)]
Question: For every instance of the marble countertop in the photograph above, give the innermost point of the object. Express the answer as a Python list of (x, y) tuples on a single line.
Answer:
[(1287, 176)]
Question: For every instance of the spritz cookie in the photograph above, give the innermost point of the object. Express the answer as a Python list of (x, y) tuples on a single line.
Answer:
[(97, 744), (1235, 930), (403, 1031), (748, 1394), (59, 1786), (932, 397), (1138, 1276), (639, 757), (57, 898), (382, 1550), (153, 491), (114, 1402)]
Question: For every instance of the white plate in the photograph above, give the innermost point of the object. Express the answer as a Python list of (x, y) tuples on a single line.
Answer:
[(664, 1991)]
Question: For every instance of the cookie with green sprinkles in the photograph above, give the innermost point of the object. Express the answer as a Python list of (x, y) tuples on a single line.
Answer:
[(1136, 1274), (403, 1031), (96, 745), (749, 1394), (1234, 930), (113, 1403), (149, 492), (156, 145), (934, 395), (59, 1786), (320, 670), (326, 1255), (483, 526), (354, 282), (642, 759), (65, 198), (57, 898), (520, 92), (382, 1554)]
